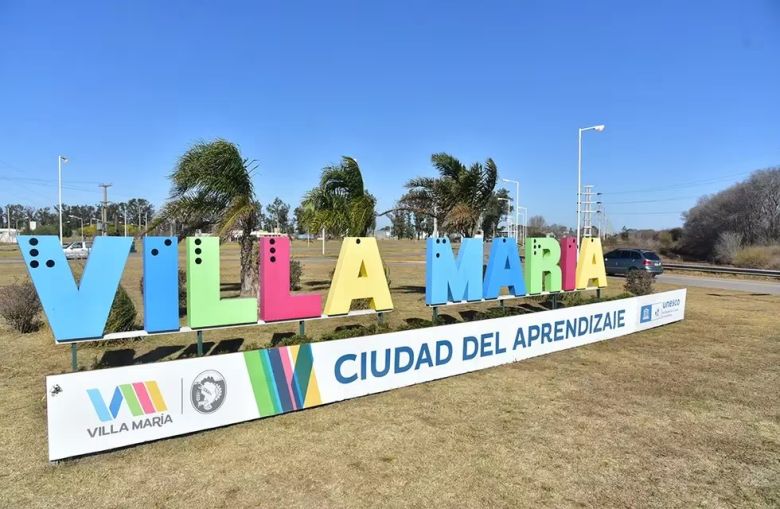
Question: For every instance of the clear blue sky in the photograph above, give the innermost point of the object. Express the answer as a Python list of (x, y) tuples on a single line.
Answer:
[(689, 91)]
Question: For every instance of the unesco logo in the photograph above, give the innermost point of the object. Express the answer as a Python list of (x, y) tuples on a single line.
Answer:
[(646, 314), (208, 391)]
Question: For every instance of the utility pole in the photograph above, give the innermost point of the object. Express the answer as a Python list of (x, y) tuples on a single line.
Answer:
[(104, 212), (517, 205), (587, 213)]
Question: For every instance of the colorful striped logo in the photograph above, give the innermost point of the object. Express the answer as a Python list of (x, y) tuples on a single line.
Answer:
[(141, 397), (283, 379)]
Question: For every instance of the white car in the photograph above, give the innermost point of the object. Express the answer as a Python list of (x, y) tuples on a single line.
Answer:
[(76, 250)]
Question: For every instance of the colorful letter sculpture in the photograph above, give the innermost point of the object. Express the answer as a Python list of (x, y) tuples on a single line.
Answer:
[(568, 262), (504, 269), (75, 311), (161, 284), (450, 280), (359, 275), (542, 273), (276, 303), (591, 265), (205, 307)]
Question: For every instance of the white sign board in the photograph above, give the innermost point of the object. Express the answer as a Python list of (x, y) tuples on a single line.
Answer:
[(103, 409)]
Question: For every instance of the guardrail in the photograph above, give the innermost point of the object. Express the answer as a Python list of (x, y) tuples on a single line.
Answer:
[(721, 270)]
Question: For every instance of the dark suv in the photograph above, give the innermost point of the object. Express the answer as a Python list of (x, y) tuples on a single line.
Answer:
[(622, 261)]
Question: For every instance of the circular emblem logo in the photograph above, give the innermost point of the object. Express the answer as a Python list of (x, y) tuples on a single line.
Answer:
[(208, 391)]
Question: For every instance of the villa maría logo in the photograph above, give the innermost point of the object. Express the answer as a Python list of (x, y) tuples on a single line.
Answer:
[(208, 391), (141, 400)]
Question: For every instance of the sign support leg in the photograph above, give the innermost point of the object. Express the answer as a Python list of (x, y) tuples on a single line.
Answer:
[(435, 316), (380, 318), (503, 307), (74, 357), (199, 335), (301, 328), (598, 293), (554, 301)]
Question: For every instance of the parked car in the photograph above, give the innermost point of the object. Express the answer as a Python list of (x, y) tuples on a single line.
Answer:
[(76, 250), (622, 261)]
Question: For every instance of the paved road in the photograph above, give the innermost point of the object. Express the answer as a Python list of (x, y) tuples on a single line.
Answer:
[(739, 285)]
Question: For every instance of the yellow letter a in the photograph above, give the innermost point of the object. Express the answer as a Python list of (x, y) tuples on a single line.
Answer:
[(590, 266), (359, 275)]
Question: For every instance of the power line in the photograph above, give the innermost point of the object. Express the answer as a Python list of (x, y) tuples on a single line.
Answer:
[(40, 182), (691, 183), (653, 201), (45, 181), (644, 213)]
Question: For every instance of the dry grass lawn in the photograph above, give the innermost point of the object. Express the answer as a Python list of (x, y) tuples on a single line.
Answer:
[(685, 415)]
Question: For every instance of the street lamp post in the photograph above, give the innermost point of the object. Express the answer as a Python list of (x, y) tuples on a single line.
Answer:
[(597, 128), (82, 228), (517, 203), (60, 160), (524, 223), (507, 200)]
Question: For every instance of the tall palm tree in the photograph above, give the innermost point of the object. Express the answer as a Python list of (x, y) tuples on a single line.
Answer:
[(211, 187), (340, 204), (458, 197)]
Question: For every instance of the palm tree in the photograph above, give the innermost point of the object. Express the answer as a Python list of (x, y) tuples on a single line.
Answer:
[(211, 188), (340, 204), (458, 197)]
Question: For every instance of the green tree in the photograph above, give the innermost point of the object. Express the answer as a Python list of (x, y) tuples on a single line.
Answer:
[(298, 215), (495, 211), (458, 198), (537, 226), (212, 189), (278, 216), (401, 224), (340, 204)]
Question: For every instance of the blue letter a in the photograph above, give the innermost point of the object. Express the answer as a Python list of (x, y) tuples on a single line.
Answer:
[(504, 269)]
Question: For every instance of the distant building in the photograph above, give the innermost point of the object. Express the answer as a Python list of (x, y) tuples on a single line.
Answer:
[(383, 233), (8, 235)]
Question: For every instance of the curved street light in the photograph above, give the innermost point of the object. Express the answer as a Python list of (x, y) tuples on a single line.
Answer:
[(82, 228), (598, 128)]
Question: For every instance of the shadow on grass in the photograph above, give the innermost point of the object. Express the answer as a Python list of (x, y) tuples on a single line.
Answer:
[(127, 356), (411, 289), (418, 323), (317, 284), (350, 326), (279, 337), (739, 295), (446, 320)]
